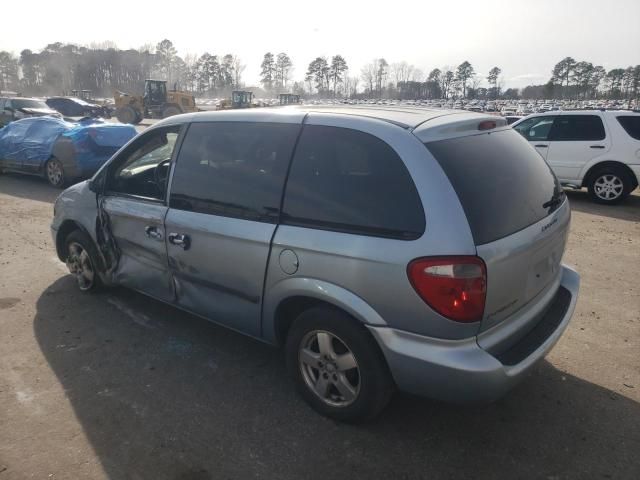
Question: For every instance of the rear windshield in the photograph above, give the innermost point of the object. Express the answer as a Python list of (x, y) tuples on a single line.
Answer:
[(504, 185), (631, 124)]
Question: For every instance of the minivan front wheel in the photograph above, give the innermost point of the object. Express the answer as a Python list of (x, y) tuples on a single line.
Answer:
[(81, 261), (609, 186), (337, 366)]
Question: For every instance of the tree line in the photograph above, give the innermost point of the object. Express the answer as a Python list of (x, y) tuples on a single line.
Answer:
[(60, 68), (581, 80)]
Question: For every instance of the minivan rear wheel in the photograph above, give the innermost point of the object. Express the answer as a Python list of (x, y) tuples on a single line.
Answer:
[(609, 185), (336, 365)]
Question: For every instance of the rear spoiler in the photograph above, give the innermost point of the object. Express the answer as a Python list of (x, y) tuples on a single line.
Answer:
[(458, 125)]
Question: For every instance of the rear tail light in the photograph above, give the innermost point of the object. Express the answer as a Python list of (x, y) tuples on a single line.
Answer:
[(455, 287)]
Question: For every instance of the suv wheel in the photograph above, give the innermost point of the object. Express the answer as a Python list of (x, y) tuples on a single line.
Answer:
[(336, 365), (54, 173), (81, 260), (609, 185)]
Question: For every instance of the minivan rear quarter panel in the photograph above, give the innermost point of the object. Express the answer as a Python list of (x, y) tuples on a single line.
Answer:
[(370, 267)]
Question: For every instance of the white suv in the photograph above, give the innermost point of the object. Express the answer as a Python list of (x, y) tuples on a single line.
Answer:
[(599, 150)]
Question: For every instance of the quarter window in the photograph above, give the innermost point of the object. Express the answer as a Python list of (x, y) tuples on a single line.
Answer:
[(233, 169), (349, 181), (631, 124), (577, 128)]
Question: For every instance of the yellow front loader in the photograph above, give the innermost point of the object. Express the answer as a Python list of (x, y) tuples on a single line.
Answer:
[(156, 102)]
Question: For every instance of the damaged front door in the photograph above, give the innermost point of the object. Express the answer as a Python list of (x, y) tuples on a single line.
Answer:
[(134, 208)]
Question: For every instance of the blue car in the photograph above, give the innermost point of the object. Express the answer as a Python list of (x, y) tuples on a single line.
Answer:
[(62, 152)]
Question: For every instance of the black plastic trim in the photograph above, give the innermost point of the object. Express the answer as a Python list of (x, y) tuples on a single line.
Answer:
[(540, 332)]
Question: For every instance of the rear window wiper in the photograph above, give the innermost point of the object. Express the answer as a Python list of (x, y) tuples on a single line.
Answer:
[(554, 202)]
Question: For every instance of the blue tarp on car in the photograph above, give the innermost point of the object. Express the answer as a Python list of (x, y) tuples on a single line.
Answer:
[(31, 140)]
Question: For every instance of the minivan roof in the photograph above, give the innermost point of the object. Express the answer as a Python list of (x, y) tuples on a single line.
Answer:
[(403, 116), (425, 123)]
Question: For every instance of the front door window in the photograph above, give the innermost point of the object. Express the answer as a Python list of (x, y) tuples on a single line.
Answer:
[(142, 169)]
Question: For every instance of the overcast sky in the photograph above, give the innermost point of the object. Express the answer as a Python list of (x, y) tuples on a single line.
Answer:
[(525, 38)]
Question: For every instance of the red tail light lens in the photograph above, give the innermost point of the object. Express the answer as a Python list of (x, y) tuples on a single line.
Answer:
[(455, 287)]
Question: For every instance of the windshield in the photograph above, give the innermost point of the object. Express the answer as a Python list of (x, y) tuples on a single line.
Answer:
[(28, 103)]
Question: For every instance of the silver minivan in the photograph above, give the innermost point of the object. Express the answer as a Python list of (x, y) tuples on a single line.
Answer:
[(383, 247)]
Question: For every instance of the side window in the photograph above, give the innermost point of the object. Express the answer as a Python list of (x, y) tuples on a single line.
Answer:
[(349, 181), (631, 124), (535, 129), (142, 169), (233, 169), (578, 128)]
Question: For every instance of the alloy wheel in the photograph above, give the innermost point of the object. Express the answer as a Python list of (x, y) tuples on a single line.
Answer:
[(329, 368), (608, 187), (55, 174), (79, 264)]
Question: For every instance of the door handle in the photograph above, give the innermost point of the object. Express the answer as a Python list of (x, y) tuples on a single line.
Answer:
[(180, 240), (541, 146), (153, 232), (596, 146)]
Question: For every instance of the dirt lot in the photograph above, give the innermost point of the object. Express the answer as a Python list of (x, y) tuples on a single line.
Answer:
[(119, 386)]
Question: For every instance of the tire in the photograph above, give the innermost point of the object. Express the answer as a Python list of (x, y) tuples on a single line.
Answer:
[(54, 173), (609, 185), (354, 389), (170, 111), (82, 261), (127, 114)]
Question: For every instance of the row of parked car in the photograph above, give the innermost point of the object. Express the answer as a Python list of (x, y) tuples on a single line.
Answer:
[(16, 108), (505, 107)]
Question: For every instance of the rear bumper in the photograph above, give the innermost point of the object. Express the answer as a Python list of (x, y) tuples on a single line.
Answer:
[(461, 371)]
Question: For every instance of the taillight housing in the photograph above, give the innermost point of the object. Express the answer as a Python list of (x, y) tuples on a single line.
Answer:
[(455, 287)]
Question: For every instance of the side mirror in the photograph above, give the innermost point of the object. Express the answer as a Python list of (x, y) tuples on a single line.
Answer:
[(96, 184)]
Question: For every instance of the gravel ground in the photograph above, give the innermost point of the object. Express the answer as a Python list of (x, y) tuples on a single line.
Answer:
[(116, 385)]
